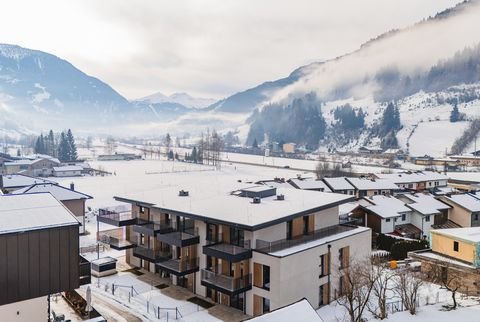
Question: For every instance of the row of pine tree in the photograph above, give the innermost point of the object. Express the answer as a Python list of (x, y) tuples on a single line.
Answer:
[(61, 146)]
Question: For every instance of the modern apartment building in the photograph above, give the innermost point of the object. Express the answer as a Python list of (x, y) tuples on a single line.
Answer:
[(253, 247)]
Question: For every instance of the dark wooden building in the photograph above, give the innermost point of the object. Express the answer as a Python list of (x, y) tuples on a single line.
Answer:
[(39, 248)]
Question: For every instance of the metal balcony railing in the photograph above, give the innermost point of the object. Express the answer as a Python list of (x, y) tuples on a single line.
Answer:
[(226, 283)]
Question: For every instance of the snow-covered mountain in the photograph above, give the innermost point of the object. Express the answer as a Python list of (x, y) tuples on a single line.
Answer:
[(422, 68), (178, 98)]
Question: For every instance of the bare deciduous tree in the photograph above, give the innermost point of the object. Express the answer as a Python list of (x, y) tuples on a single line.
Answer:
[(407, 285), (448, 277), (357, 285), (382, 285)]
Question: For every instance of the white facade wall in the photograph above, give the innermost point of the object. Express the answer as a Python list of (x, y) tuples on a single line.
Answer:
[(388, 227), (296, 276), (25, 311), (326, 218)]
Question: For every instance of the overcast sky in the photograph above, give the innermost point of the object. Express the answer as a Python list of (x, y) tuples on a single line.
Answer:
[(209, 48)]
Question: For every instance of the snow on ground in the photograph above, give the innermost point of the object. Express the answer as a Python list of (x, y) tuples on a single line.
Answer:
[(143, 293), (435, 138)]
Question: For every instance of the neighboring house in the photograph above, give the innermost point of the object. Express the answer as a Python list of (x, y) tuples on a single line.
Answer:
[(39, 247), (42, 167), (73, 200), (465, 209), (467, 160), (68, 171), (12, 182), (289, 148), (365, 187), (309, 184), (370, 150), (407, 215), (382, 213), (299, 311), (455, 251), (340, 185), (241, 245), (416, 181)]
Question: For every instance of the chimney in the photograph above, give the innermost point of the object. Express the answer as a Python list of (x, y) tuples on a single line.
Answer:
[(183, 193), (72, 186), (281, 197), (257, 200)]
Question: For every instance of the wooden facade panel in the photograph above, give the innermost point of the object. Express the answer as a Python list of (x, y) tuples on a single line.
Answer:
[(257, 305), (64, 266), (44, 259), (311, 223), (3, 269), (34, 262), (257, 274), (297, 227), (73, 260), (12, 268), (54, 238), (23, 263)]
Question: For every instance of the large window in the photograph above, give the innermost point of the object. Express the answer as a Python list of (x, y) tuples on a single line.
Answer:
[(305, 225), (266, 277), (266, 305), (289, 229), (324, 266)]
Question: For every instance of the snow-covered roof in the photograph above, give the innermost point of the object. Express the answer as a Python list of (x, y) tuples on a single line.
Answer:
[(32, 212), (18, 163), (216, 202), (426, 204), (386, 206), (68, 168), (467, 201), (299, 311), (412, 177), (309, 184), (338, 183), (20, 180), (60, 193), (469, 234), (368, 184)]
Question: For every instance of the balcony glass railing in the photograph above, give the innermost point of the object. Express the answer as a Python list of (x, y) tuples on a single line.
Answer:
[(274, 246), (225, 282)]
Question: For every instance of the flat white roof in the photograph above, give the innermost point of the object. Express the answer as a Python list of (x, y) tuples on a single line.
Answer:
[(469, 234), (33, 212), (19, 180), (368, 184), (467, 201), (338, 183), (215, 201), (299, 311), (59, 192)]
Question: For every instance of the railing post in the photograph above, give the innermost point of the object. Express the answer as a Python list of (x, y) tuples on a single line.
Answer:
[(131, 290), (158, 310), (129, 296), (176, 313), (113, 289)]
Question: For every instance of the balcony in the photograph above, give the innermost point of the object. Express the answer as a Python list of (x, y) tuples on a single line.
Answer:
[(150, 255), (231, 253), (116, 243), (179, 238), (278, 245), (226, 284), (150, 228), (117, 216), (179, 267), (84, 271)]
